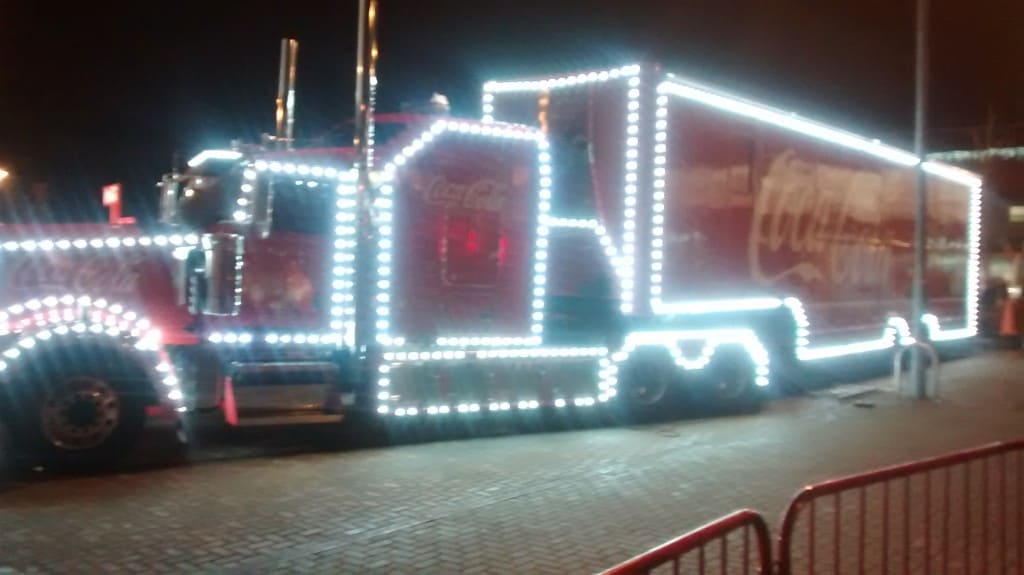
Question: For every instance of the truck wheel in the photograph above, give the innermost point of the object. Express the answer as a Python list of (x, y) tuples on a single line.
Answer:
[(77, 412), (728, 382), (648, 382)]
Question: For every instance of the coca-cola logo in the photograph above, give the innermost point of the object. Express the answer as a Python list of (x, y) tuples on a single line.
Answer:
[(484, 194), (63, 274), (826, 223)]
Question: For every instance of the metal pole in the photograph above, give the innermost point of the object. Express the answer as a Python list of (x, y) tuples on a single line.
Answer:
[(918, 295), (289, 134), (362, 142), (279, 102)]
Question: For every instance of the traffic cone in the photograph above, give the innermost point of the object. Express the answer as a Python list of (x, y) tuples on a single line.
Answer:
[(1008, 323)]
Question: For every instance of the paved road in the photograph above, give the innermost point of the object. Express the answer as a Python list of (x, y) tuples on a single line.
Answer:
[(551, 502)]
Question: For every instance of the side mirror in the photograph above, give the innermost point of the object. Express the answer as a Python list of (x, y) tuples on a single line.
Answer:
[(223, 274), (263, 207)]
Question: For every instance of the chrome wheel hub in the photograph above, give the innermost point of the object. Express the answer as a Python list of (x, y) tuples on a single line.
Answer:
[(80, 413)]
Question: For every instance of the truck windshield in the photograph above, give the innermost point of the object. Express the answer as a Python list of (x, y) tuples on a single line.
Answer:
[(301, 206)]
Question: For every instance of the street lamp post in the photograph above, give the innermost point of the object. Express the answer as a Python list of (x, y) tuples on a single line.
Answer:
[(918, 295)]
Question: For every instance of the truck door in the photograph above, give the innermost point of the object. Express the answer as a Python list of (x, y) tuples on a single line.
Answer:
[(284, 277)]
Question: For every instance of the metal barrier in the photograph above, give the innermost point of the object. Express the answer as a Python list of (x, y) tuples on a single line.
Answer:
[(958, 513), (933, 367), (697, 552)]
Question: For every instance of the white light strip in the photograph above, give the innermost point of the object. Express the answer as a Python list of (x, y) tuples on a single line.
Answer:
[(895, 327), (39, 321), (245, 201), (494, 407), (343, 262), (658, 202), (297, 339), (65, 244), (385, 213), (833, 351), (624, 262), (554, 83), (486, 341), (717, 306), (526, 353), (342, 306), (974, 261), (206, 155), (936, 333), (896, 330), (386, 250), (571, 223), (630, 188), (607, 245), (712, 339), (786, 120), (315, 171), (976, 155), (395, 359), (902, 330), (953, 174), (791, 122)]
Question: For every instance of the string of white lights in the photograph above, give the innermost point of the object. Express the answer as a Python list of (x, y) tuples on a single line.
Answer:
[(385, 215), (343, 307), (42, 321), (670, 340), (624, 264), (744, 108), (65, 244), (385, 244), (398, 359)]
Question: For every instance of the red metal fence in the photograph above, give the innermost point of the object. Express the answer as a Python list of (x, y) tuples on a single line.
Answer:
[(737, 543), (957, 513)]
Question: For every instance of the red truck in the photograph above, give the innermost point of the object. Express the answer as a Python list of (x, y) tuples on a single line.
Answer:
[(608, 237)]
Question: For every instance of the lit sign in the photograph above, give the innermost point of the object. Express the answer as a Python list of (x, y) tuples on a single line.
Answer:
[(111, 195)]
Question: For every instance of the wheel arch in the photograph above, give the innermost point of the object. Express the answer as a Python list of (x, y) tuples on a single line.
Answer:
[(59, 325)]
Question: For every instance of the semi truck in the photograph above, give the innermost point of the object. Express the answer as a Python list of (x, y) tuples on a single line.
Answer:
[(597, 239)]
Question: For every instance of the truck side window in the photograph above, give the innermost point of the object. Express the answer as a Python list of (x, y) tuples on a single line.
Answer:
[(301, 206), (472, 248), (565, 119), (571, 170)]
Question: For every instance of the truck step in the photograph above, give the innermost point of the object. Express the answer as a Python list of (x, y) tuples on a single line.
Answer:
[(284, 393), (267, 419), (284, 373)]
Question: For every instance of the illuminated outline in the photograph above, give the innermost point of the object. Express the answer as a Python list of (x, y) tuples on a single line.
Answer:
[(384, 205), (670, 339), (41, 320), (624, 265), (341, 318), (395, 359), (792, 122)]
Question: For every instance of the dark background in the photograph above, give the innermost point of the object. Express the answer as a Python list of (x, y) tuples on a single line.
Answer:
[(93, 92)]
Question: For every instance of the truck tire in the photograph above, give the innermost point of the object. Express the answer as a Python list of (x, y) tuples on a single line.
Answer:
[(728, 382), (77, 405), (648, 384)]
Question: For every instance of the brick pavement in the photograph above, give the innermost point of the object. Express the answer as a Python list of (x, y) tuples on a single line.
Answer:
[(565, 502)]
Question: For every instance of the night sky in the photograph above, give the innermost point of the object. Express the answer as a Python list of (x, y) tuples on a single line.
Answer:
[(96, 92)]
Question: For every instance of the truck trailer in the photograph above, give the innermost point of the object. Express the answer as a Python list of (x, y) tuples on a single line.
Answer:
[(598, 239)]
